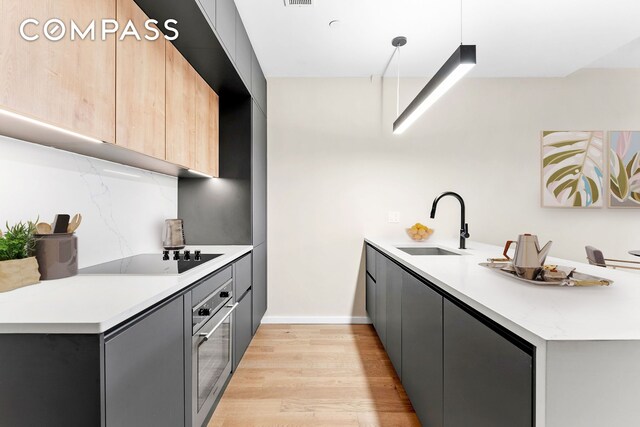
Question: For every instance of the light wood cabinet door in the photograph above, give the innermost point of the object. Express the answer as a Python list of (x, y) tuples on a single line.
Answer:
[(207, 125), (140, 91), (70, 84), (180, 109)]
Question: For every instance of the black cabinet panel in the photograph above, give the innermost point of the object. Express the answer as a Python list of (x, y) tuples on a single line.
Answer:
[(422, 364), (243, 328), (259, 284), (243, 52), (488, 380), (370, 260), (226, 25), (144, 371), (381, 298), (394, 315), (371, 298), (259, 176)]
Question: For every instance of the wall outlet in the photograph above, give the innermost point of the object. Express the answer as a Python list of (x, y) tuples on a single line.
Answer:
[(394, 217)]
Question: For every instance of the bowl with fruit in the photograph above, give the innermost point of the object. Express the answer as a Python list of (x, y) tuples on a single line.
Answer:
[(419, 232)]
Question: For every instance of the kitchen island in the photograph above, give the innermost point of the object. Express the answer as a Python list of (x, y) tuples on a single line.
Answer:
[(576, 348)]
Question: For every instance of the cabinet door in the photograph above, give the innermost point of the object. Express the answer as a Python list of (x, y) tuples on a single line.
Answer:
[(487, 378), (371, 298), (144, 371), (259, 284), (242, 275), (180, 111), (243, 52), (70, 84), (394, 315), (258, 83), (242, 328), (226, 24), (207, 135), (381, 298), (140, 93), (422, 349), (370, 254), (259, 175)]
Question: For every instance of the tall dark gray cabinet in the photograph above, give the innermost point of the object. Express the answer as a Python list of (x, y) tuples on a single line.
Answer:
[(231, 209)]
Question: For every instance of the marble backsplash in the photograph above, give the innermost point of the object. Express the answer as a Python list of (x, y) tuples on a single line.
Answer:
[(123, 208)]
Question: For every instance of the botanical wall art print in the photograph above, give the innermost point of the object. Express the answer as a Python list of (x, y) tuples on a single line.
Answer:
[(572, 169), (624, 169)]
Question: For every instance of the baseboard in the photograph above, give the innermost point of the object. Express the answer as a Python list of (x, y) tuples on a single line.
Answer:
[(332, 320)]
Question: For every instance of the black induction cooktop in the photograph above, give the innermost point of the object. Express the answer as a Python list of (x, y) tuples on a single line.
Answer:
[(150, 264)]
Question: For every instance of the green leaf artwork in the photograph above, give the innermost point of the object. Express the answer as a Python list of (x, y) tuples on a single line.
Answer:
[(572, 169), (624, 169)]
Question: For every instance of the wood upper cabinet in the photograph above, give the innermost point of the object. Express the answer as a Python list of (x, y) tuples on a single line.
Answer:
[(70, 84), (180, 109), (207, 125), (140, 87)]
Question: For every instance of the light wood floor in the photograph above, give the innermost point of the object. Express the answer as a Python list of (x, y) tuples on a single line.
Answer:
[(315, 375)]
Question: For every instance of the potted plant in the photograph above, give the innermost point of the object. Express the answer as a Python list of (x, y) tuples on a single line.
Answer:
[(18, 266)]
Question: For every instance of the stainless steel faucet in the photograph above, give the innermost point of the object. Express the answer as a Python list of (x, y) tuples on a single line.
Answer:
[(464, 227)]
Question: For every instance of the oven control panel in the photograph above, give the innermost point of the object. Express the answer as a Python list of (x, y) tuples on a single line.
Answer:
[(210, 306)]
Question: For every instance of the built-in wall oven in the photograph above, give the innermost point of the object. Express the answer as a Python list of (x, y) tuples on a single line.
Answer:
[(211, 349)]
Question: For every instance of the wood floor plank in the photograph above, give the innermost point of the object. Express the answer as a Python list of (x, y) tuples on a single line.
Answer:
[(315, 375)]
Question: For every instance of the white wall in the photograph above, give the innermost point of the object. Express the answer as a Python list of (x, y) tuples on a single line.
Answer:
[(123, 208), (335, 170)]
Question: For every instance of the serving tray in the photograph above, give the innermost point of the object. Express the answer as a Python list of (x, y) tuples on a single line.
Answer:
[(575, 278)]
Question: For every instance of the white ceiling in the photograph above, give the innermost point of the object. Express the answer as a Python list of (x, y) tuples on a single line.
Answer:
[(515, 38)]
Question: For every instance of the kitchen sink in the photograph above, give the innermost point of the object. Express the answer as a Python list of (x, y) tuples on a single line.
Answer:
[(429, 251)]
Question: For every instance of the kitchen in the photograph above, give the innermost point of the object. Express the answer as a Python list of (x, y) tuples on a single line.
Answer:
[(310, 172)]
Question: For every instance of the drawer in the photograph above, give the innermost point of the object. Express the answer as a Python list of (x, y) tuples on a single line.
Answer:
[(371, 261), (242, 276), (210, 284)]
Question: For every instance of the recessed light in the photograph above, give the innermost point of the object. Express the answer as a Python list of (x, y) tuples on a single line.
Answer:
[(334, 24)]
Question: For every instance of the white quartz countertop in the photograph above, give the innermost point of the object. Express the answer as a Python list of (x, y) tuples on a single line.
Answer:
[(95, 303), (537, 313)]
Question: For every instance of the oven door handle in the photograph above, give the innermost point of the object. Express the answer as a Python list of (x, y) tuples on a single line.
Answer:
[(206, 335)]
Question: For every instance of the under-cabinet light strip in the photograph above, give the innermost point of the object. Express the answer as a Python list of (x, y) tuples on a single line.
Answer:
[(13, 115), (458, 64), (200, 173)]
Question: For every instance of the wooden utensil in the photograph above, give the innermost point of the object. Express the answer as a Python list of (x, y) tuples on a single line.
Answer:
[(74, 223), (43, 228)]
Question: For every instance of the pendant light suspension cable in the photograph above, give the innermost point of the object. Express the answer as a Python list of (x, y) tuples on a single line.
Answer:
[(398, 83)]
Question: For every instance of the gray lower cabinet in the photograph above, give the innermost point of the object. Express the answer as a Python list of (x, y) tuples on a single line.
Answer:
[(488, 380), (422, 362), (144, 371), (394, 314), (370, 295), (259, 304), (226, 25), (370, 261), (242, 327), (380, 322)]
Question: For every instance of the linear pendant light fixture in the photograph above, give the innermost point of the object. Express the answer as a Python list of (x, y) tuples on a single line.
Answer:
[(458, 64), (454, 69)]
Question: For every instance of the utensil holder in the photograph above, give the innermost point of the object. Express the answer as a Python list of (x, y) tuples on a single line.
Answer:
[(57, 255)]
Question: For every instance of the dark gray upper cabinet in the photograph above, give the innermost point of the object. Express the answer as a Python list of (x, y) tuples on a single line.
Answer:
[(371, 298), (394, 315), (381, 298), (242, 327), (209, 7), (144, 371), (226, 25), (243, 52), (259, 83), (422, 364), (488, 380), (259, 175), (259, 285)]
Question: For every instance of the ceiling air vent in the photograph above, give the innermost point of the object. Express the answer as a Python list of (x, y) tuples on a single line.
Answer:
[(298, 3)]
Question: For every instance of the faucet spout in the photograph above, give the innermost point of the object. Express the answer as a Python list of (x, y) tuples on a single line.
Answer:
[(464, 227)]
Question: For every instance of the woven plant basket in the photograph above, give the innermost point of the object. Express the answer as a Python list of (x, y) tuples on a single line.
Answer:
[(17, 273)]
